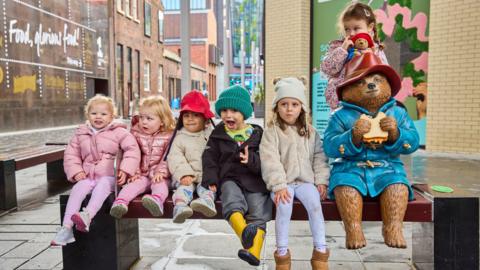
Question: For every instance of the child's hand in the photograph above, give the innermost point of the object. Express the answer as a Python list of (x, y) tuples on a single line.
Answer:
[(282, 196), (133, 178), (244, 155), (186, 180), (79, 176), (213, 188), (347, 43), (158, 177), (322, 189), (121, 178)]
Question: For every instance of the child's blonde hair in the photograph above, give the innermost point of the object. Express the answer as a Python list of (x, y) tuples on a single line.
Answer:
[(101, 99), (359, 11), (162, 109)]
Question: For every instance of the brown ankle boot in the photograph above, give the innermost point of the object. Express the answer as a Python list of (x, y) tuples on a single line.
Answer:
[(282, 262), (319, 260)]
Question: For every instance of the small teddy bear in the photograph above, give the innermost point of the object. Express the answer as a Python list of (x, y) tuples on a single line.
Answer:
[(366, 137), (362, 43)]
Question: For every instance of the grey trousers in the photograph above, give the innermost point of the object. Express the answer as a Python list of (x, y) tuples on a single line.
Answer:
[(255, 206)]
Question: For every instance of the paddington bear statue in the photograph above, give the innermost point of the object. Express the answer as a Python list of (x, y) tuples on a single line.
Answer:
[(365, 138)]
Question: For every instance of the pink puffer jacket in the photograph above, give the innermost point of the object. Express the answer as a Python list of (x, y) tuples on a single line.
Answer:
[(95, 154), (153, 148)]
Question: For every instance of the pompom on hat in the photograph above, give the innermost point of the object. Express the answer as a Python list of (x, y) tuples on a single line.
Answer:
[(364, 65), (236, 98), (290, 88), (194, 101)]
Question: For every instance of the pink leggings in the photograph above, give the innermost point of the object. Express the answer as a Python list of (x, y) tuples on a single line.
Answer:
[(100, 189), (140, 186)]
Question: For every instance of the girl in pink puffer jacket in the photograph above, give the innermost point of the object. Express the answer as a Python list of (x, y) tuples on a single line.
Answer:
[(89, 163), (153, 129)]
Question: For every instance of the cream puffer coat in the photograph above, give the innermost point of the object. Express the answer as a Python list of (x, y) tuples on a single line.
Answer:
[(185, 157), (288, 157)]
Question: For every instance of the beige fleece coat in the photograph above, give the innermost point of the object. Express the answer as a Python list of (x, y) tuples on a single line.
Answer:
[(185, 157), (288, 157)]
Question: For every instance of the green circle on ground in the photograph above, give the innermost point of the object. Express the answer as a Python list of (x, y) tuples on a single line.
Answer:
[(443, 189)]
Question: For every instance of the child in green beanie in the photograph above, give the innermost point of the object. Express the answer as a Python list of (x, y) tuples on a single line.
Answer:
[(231, 164)]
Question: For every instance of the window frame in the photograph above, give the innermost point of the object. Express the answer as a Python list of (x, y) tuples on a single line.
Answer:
[(147, 69)]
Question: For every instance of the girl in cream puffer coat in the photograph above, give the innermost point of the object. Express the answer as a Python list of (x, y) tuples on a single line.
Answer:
[(185, 158), (294, 166)]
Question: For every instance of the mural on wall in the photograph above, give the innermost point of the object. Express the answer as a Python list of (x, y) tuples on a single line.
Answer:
[(403, 28), (47, 51)]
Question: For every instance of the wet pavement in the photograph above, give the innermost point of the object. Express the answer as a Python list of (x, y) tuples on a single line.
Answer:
[(207, 244)]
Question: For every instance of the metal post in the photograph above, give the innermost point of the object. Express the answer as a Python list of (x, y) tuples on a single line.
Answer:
[(242, 53), (226, 44), (185, 45), (252, 66)]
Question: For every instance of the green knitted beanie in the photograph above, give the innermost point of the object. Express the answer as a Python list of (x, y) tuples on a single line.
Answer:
[(236, 98)]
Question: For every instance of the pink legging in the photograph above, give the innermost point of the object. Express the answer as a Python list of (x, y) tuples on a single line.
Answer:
[(140, 186), (100, 189)]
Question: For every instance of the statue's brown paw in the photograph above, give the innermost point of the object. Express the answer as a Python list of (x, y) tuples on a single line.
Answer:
[(393, 236), (355, 238)]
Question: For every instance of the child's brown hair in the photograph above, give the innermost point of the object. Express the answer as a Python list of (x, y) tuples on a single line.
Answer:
[(303, 118), (359, 11)]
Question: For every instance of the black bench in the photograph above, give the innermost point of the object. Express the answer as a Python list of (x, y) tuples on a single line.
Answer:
[(25, 158), (445, 231)]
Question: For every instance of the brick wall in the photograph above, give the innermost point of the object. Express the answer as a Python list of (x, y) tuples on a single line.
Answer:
[(287, 43), (453, 112)]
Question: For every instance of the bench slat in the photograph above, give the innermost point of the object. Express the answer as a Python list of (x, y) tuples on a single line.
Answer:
[(419, 210), (40, 158)]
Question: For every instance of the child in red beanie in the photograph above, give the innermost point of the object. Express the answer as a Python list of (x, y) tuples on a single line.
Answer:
[(185, 158)]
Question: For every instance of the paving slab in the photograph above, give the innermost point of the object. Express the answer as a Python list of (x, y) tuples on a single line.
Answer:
[(214, 246), (158, 246), (27, 250), (48, 259), (388, 266), (6, 246), (31, 228), (207, 263), (11, 263)]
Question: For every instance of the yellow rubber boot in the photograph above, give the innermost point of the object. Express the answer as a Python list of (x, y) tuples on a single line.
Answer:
[(238, 223), (252, 255)]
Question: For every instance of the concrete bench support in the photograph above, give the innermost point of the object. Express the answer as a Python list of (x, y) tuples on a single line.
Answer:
[(110, 245), (8, 189), (452, 240)]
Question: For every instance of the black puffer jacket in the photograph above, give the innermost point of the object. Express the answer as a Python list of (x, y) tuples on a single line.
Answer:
[(221, 161)]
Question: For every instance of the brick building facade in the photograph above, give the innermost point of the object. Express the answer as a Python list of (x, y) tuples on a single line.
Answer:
[(137, 52)]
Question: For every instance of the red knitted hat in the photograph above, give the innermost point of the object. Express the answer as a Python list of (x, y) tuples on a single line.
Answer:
[(194, 101)]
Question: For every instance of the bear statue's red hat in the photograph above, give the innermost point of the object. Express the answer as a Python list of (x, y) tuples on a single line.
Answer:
[(367, 63), (365, 36), (194, 101)]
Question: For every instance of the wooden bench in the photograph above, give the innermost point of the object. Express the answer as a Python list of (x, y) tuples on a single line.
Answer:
[(26, 158), (445, 231)]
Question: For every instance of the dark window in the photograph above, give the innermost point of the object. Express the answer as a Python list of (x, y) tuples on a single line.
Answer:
[(119, 64), (148, 19)]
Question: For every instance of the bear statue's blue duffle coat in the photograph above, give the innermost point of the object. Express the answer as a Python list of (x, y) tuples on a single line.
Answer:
[(367, 169)]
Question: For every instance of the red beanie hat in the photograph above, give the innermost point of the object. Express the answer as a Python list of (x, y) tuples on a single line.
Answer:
[(194, 101)]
